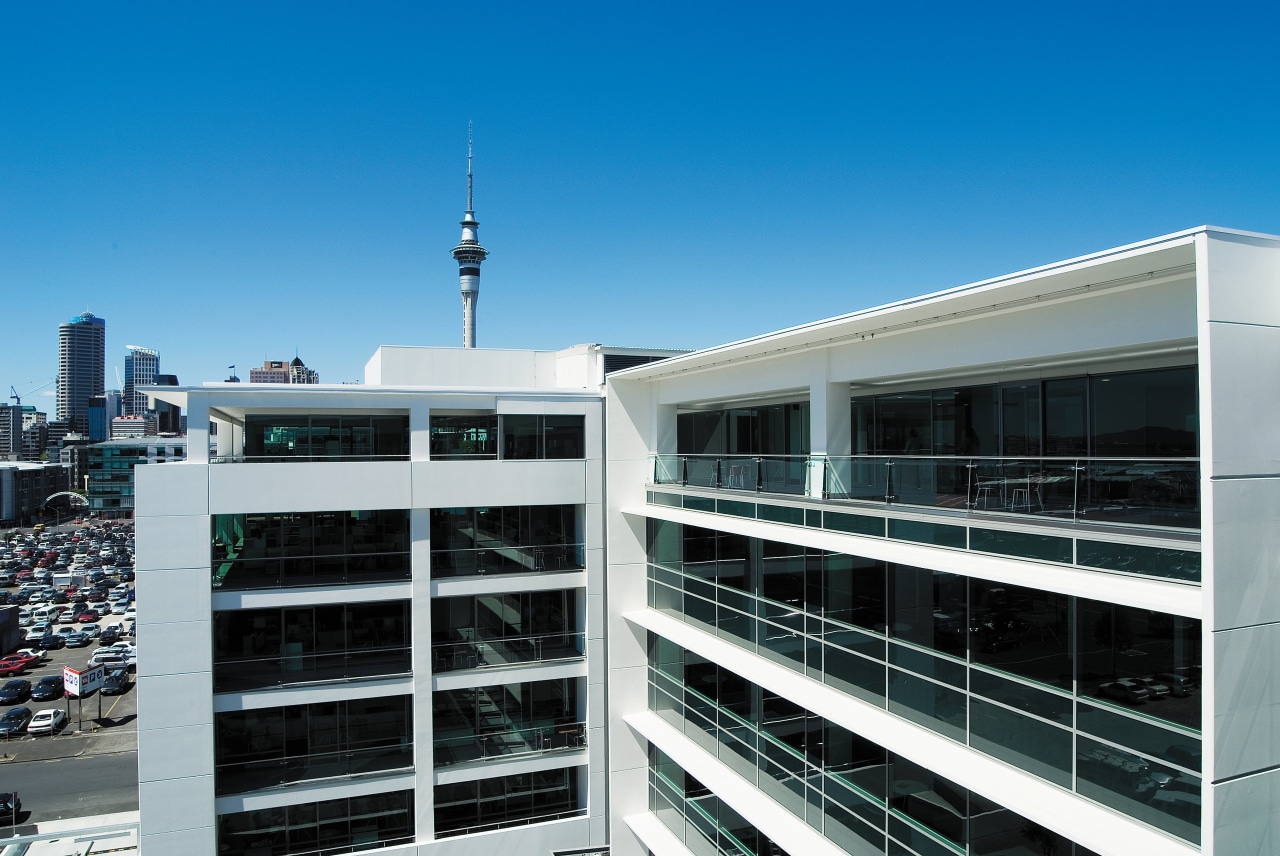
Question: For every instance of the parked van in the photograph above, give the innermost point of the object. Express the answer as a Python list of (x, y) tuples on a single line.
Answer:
[(46, 613)]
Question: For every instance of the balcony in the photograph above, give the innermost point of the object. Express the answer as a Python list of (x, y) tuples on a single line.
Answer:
[(255, 673), (248, 776), (509, 743), (482, 653), (482, 561), (1146, 492)]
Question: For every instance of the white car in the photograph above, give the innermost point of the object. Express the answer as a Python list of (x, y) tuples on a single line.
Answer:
[(24, 617), (130, 615), (37, 631), (49, 721), (39, 654)]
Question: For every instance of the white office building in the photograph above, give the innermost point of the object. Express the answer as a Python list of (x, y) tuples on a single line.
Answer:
[(989, 571), (376, 612), (982, 572)]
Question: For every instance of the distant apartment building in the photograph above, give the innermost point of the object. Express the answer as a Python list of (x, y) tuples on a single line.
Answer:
[(278, 371), (141, 366), (82, 349), (10, 432), (24, 486), (111, 470), (133, 426), (35, 433)]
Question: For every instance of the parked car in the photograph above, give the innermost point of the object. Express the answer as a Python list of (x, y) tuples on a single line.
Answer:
[(10, 807), (13, 667), (15, 691), (52, 642), (108, 658), (47, 688), (117, 682), (1124, 690), (77, 639), (110, 635), (15, 721), (1154, 688), (1180, 686), (91, 631), (49, 721)]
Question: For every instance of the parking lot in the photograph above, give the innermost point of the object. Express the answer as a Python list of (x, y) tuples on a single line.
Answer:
[(90, 766)]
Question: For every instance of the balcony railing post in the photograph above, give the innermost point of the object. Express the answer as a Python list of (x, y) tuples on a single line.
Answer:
[(759, 475), (888, 481), (684, 471)]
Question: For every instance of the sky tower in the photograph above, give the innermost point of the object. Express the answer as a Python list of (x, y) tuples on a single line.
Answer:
[(469, 254)]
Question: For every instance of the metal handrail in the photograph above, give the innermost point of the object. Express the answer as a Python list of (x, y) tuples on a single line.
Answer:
[(483, 653), (508, 559), (507, 743)]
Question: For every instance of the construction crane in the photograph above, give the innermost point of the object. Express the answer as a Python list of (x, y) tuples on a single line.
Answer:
[(17, 398)]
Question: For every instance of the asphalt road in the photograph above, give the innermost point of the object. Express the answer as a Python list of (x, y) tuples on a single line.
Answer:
[(77, 786)]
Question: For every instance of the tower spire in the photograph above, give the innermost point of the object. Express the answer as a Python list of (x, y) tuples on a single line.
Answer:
[(469, 255)]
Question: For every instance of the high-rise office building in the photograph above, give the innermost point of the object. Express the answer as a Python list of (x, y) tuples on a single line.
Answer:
[(82, 349), (141, 365)]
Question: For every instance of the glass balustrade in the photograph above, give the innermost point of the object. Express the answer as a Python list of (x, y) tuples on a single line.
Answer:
[(509, 743), (494, 652), (507, 560), (1156, 492)]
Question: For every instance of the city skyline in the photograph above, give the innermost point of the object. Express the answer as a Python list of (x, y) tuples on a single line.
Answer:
[(316, 166)]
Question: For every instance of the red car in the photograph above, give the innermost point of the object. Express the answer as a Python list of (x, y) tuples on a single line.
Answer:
[(17, 663), (87, 617)]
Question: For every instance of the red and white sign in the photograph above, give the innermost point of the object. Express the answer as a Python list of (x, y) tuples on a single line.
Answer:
[(82, 683)]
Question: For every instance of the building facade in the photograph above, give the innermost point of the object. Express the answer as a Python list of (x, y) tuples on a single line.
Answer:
[(10, 432), (987, 571), (24, 487), (279, 371), (141, 366), (983, 572), (397, 592), (110, 487), (82, 364)]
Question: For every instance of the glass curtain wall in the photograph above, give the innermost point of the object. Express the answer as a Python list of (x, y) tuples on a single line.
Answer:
[(503, 629), (504, 801), (272, 550), (1144, 414), (543, 437), (256, 648), (333, 437), (1037, 679), (505, 540), (269, 747), (506, 719), (464, 437), (322, 828), (862, 797)]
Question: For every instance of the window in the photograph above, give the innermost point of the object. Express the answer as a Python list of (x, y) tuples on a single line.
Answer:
[(543, 437)]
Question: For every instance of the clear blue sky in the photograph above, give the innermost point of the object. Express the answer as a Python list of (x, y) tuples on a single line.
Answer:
[(227, 182)]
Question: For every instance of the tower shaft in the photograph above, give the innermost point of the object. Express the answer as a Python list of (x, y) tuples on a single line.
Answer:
[(469, 255)]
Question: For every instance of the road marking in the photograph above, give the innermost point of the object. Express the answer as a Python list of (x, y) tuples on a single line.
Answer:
[(119, 698)]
